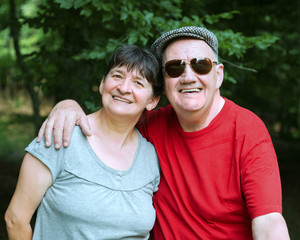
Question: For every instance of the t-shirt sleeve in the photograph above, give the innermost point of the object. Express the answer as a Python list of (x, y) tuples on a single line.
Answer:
[(152, 122), (260, 176), (51, 157), (150, 164)]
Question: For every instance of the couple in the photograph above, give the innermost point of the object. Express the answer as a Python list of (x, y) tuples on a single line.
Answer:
[(219, 173)]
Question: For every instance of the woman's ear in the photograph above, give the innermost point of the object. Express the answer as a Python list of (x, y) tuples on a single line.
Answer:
[(101, 87), (152, 103)]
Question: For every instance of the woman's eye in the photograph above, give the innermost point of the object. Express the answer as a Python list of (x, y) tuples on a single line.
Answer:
[(139, 83), (117, 76)]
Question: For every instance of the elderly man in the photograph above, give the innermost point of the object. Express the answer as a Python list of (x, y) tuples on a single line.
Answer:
[(219, 172)]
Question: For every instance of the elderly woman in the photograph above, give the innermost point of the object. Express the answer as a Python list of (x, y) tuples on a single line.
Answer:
[(101, 186)]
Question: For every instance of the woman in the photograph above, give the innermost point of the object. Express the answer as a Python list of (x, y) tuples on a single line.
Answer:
[(100, 187)]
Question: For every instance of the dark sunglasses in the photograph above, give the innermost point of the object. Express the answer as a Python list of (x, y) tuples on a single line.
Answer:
[(175, 68)]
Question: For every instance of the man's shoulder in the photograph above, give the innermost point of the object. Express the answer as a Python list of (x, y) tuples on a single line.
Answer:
[(163, 110), (156, 122), (246, 121), (161, 114), (242, 114)]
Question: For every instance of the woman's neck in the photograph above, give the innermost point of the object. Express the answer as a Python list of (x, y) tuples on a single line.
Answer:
[(113, 140), (116, 130)]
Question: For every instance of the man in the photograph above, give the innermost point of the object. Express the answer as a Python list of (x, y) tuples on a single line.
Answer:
[(219, 172)]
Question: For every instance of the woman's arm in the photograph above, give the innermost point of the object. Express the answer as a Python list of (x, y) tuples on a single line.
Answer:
[(34, 180)]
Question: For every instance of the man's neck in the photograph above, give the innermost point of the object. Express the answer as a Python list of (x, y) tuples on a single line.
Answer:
[(195, 121)]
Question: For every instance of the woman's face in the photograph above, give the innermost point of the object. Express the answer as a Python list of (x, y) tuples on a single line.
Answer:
[(126, 93)]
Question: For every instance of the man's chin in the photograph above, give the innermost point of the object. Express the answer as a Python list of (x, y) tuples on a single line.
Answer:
[(189, 108)]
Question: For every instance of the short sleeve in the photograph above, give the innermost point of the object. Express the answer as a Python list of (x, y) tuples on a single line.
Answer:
[(260, 178), (51, 157), (153, 123)]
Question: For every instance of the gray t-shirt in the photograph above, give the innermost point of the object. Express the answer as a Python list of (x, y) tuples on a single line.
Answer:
[(90, 200)]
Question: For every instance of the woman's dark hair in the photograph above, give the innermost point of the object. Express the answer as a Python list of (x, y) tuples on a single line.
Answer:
[(142, 59)]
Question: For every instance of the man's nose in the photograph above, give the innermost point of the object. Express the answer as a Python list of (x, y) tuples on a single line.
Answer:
[(189, 76)]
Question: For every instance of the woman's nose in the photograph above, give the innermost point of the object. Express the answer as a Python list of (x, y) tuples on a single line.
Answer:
[(125, 86)]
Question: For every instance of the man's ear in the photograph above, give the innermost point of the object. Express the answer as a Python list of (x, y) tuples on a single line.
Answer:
[(153, 103), (220, 75), (101, 87)]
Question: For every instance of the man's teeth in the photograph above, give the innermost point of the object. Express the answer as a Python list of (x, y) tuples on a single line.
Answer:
[(121, 99), (190, 90)]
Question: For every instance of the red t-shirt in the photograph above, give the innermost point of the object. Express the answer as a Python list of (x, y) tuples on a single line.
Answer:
[(213, 181)]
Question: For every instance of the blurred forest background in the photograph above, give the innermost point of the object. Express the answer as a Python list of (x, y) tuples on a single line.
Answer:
[(52, 50)]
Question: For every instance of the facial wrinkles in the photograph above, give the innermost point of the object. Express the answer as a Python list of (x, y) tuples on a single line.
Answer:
[(132, 79), (189, 81), (138, 83), (187, 50)]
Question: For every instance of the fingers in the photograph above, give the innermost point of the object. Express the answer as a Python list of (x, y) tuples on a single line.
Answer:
[(52, 125), (69, 125), (62, 127), (85, 125), (41, 131), (58, 131), (72, 119), (48, 131), (61, 122)]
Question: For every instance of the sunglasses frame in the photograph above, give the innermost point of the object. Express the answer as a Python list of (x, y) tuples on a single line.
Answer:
[(184, 62)]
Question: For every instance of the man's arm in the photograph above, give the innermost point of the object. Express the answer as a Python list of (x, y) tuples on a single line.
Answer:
[(270, 226), (61, 121), (34, 180)]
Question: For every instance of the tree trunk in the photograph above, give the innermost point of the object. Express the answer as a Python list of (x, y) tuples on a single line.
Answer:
[(298, 80), (15, 30)]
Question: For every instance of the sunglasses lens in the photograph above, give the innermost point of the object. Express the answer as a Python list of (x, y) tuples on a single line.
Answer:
[(174, 68), (201, 65)]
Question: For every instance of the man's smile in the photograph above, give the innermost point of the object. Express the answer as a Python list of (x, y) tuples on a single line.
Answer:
[(192, 90)]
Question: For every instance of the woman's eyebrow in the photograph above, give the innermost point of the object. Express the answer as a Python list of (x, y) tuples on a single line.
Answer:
[(118, 71)]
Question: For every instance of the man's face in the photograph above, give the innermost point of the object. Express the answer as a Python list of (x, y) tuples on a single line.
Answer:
[(192, 91)]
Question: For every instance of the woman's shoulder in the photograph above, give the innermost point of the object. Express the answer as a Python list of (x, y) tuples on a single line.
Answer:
[(147, 153), (144, 143), (77, 137)]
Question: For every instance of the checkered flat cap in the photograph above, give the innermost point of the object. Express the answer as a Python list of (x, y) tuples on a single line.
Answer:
[(162, 42)]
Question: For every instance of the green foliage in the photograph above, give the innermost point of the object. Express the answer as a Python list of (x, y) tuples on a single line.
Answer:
[(79, 35), (235, 44), (91, 106), (66, 45)]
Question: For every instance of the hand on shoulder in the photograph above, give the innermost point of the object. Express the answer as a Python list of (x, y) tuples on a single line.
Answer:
[(61, 121)]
